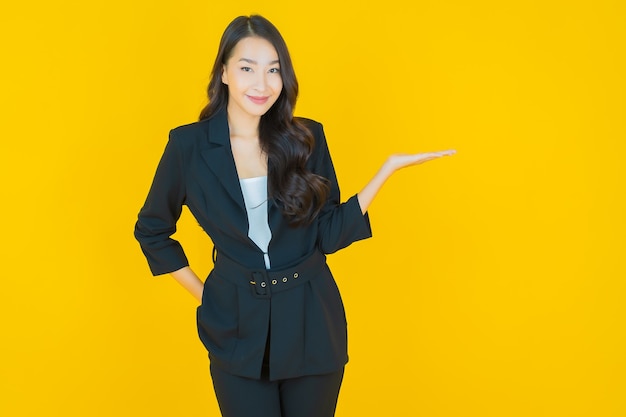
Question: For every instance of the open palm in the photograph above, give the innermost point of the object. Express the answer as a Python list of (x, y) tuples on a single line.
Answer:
[(402, 160)]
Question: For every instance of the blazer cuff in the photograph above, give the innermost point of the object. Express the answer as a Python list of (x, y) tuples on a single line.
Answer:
[(165, 260), (362, 226)]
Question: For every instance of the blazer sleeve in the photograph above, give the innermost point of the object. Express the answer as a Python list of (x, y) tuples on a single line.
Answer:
[(339, 224), (157, 218)]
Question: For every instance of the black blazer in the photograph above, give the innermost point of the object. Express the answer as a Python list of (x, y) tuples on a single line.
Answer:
[(197, 169)]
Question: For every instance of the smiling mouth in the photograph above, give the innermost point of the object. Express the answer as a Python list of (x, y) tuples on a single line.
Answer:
[(258, 100)]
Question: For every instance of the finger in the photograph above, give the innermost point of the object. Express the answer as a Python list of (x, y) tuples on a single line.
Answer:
[(424, 157), (429, 156), (433, 155)]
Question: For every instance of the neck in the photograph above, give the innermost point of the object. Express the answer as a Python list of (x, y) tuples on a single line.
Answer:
[(241, 124)]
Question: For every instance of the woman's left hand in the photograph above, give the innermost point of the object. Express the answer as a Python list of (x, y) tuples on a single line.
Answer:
[(398, 161), (391, 165)]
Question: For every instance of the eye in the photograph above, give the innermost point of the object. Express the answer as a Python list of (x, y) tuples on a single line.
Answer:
[(274, 70), (246, 69)]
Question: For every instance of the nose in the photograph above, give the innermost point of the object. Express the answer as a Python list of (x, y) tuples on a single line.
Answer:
[(261, 82)]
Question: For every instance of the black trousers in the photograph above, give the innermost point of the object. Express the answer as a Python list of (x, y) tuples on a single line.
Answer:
[(306, 396)]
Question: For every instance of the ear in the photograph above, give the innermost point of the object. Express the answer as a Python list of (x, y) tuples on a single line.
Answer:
[(224, 75)]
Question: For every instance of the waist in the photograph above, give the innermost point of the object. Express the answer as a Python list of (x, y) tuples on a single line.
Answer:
[(264, 282)]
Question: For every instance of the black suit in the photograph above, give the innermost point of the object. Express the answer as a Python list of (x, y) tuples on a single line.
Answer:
[(307, 331)]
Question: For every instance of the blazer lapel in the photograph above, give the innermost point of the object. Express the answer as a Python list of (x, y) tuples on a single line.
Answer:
[(219, 157)]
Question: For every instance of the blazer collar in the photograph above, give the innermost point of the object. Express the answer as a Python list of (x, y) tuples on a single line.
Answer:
[(219, 156)]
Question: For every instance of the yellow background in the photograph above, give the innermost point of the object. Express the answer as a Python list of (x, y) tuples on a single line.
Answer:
[(494, 284)]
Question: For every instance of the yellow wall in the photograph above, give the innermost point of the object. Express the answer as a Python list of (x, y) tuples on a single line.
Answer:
[(494, 285)]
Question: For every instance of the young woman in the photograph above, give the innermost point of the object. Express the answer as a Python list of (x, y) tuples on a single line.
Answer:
[(261, 183)]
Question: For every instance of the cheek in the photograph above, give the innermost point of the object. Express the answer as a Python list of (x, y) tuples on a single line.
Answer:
[(277, 84), (233, 81), (237, 80)]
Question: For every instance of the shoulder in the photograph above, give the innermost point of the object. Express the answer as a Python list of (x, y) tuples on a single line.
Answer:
[(209, 132), (320, 155), (316, 129), (189, 131), (190, 137), (314, 126)]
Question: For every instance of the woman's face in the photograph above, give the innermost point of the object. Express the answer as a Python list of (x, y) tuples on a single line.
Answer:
[(252, 74)]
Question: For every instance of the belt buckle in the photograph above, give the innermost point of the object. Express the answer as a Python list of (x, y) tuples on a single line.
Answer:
[(260, 285)]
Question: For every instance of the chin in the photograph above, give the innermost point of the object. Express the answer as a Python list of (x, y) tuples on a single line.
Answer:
[(259, 112)]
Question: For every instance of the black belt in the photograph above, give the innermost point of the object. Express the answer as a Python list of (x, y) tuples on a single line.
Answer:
[(264, 282)]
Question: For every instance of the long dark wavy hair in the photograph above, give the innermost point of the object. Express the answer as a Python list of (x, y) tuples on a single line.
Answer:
[(287, 142)]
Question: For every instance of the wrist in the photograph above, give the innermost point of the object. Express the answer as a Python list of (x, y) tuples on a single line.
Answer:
[(387, 168)]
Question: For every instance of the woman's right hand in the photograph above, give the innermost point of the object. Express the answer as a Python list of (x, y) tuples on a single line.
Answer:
[(188, 279)]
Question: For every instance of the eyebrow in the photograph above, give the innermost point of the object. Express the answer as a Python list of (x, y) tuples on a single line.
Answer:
[(252, 61)]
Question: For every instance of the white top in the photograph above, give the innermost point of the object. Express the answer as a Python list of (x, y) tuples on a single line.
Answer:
[(255, 197)]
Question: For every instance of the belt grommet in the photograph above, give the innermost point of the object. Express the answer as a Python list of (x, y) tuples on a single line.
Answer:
[(295, 275), (284, 279), (263, 284), (274, 282)]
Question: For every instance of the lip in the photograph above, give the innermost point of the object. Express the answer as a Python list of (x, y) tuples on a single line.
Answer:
[(258, 100)]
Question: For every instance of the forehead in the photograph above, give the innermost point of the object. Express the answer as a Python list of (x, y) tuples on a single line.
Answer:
[(256, 49)]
